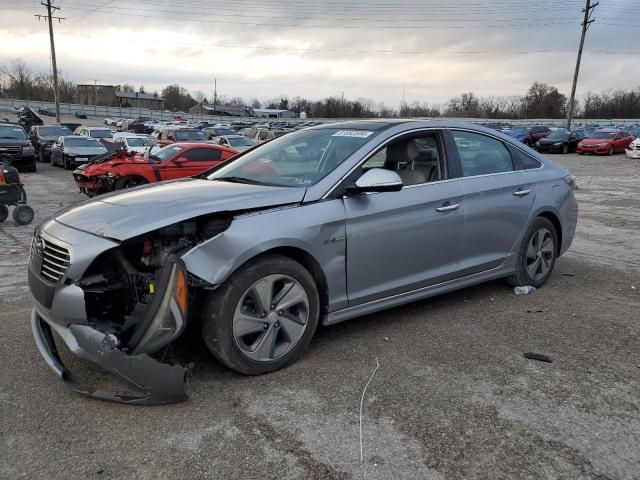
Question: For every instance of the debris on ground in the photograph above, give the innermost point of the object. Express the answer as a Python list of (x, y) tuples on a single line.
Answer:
[(541, 357), (526, 290)]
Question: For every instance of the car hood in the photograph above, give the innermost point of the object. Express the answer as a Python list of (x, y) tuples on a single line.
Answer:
[(595, 141), (12, 142), (85, 150), (123, 215), (551, 141)]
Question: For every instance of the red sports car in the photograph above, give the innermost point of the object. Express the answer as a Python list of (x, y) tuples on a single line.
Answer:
[(124, 170), (605, 142)]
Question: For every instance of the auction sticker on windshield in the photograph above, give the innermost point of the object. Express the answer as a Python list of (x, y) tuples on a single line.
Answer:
[(353, 133)]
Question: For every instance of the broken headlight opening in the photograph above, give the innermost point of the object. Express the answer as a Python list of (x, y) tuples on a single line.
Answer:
[(137, 298)]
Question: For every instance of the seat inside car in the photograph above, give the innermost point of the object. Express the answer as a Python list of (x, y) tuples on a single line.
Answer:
[(412, 165)]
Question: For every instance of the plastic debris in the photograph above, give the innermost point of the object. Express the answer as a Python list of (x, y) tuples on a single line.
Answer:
[(541, 357), (526, 290)]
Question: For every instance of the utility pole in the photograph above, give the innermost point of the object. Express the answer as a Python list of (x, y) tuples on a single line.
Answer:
[(50, 18), (215, 94), (588, 10)]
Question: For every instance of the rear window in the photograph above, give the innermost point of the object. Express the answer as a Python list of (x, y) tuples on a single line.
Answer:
[(522, 160)]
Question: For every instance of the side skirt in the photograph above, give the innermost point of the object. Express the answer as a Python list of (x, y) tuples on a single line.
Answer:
[(348, 313)]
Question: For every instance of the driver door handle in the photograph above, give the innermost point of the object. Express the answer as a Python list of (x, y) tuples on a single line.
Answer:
[(448, 208), (522, 193)]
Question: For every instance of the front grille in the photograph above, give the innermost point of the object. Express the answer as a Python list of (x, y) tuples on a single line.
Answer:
[(55, 258), (11, 150)]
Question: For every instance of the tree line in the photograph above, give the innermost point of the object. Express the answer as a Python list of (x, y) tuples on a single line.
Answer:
[(18, 81)]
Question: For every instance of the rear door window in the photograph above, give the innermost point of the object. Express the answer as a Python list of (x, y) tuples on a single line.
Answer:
[(481, 155)]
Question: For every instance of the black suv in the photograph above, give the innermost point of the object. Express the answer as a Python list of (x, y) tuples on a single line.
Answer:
[(137, 125), (16, 147), (43, 136)]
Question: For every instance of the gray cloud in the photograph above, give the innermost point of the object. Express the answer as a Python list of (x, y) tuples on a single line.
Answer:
[(156, 42)]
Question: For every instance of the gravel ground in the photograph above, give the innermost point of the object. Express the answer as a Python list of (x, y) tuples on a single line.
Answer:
[(453, 397)]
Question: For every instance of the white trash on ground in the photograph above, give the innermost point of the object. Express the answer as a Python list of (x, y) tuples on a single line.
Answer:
[(526, 290)]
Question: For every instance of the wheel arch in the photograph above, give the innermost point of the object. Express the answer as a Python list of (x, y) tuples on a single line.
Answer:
[(308, 261), (555, 220)]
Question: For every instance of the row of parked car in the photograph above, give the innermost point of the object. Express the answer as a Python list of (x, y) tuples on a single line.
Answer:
[(602, 140)]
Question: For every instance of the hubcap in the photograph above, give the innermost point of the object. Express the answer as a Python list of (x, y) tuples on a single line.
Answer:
[(540, 254), (270, 318)]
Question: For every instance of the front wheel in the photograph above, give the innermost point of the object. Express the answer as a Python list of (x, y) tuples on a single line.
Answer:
[(23, 214), (612, 151), (565, 149), (263, 317), (129, 182), (537, 255), (66, 163), (4, 213)]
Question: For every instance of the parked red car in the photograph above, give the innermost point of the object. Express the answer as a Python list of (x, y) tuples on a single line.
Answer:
[(534, 134), (125, 170), (605, 142)]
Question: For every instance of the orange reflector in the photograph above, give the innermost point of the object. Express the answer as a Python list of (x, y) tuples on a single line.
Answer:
[(181, 292), (147, 247)]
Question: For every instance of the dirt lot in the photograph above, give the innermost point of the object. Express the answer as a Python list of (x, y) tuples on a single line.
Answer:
[(453, 397)]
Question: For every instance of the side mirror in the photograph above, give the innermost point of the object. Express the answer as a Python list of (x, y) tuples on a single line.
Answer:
[(377, 180), (180, 160)]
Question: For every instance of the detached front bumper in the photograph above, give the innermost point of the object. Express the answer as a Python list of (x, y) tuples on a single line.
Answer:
[(633, 153), (150, 382)]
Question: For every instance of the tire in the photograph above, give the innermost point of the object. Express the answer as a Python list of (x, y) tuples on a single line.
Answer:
[(529, 255), (224, 318), (23, 214), (565, 149), (4, 213), (129, 182), (66, 164), (612, 151)]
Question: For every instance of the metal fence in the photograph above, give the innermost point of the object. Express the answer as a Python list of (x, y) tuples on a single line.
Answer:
[(6, 104)]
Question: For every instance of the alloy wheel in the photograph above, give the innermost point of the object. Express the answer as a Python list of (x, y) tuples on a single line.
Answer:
[(540, 253), (271, 317)]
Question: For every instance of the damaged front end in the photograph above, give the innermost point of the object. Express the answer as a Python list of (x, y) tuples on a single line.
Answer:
[(131, 300)]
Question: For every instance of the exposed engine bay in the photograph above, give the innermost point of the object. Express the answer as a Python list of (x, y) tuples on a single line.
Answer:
[(121, 283)]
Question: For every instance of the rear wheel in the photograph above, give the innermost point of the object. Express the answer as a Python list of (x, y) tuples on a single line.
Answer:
[(537, 254), (4, 213), (263, 317), (129, 182), (23, 214), (66, 163)]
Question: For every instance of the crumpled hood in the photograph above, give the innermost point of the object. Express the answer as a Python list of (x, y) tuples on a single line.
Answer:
[(123, 215)]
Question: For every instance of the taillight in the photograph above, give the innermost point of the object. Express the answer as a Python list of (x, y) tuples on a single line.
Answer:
[(571, 181)]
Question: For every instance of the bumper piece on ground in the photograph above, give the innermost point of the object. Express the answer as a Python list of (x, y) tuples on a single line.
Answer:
[(163, 320), (156, 383)]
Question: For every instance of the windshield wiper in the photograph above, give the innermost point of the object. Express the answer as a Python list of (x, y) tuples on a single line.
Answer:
[(248, 181)]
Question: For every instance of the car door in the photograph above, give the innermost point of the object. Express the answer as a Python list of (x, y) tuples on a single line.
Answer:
[(196, 160), (623, 139), (498, 200), (404, 240)]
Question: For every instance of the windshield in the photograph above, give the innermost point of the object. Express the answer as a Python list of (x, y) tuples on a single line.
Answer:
[(167, 152), (139, 142), (558, 136), (240, 142), (82, 142), (298, 159), (189, 135), (16, 133), (602, 135), (54, 131), (101, 133)]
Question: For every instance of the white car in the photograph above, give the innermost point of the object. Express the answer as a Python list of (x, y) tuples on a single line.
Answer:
[(634, 149), (135, 142), (237, 142)]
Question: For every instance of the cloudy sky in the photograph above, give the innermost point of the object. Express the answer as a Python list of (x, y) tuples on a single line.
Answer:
[(433, 49)]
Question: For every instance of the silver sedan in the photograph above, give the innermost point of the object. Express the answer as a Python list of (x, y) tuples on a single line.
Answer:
[(319, 226)]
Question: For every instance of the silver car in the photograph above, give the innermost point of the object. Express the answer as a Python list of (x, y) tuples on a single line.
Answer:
[(70, 151), (319, 226)]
